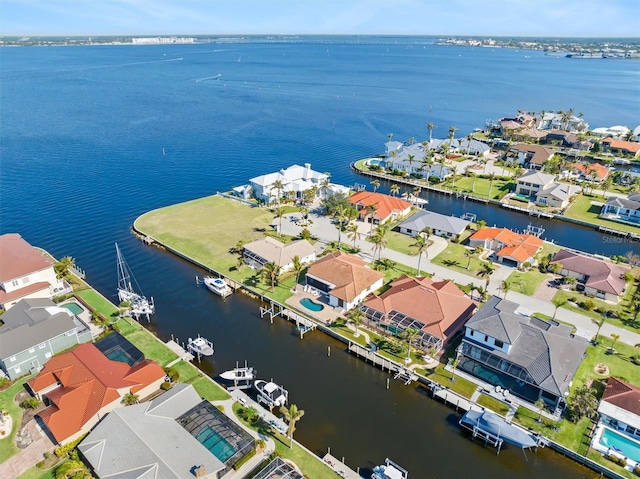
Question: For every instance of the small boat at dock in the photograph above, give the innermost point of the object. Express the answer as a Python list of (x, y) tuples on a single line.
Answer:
[(200, 346), (270, 393), (218, 286), (239, 374), (138, 304), (390, 470)]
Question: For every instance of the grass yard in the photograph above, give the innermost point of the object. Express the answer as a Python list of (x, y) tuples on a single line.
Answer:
[(453, 257), (7, 444), (583, 210), (98, 302), (152, 347), (527, 283), (618, 364), (480, 187), (401, 243), (310, 465), (493, 404), (35, 473)]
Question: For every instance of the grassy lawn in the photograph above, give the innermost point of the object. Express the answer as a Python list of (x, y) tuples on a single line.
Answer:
[(151, 346), (309, 464), (619, 364), (400, 242), (35, 473), (526, 283), (583, 210), (599, 458), (453, 258), (493, 404), (443, 377), (98, 302), (623, 319), (209, 390), (480, 187), (7, 445)]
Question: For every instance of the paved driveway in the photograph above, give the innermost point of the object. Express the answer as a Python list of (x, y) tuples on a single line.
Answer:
[(29, 457)]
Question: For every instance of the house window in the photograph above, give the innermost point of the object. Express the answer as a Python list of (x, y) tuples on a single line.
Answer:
[(486, 338), (471, 332), (71, 333), (47, 354), (12, 359), (42, 345), (17, 370), (14, 283), (498, 343), (31, 350)]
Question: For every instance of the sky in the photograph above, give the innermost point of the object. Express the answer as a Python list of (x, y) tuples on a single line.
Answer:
[(550, 18)]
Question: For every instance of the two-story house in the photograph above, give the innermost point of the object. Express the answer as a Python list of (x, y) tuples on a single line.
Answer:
[(529, 357), (622, 209), (545, 190), (386, 207), (33, 331), (294, 181), (26, 272)]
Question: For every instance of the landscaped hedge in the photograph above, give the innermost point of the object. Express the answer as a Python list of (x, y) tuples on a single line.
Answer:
[(243, 460), (65, 450)]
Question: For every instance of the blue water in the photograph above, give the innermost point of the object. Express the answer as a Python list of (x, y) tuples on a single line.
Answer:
[(311, 305), (620, 443), (216, 444)]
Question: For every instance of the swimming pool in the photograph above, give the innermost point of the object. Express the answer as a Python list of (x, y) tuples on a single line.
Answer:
[(619, 443), (215, 443), (376, 163), (75, 308), (311, 305)]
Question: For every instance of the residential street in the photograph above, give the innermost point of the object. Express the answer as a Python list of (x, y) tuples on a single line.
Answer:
[(324, 229)]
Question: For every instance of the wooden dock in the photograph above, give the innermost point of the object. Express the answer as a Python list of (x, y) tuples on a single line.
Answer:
[(339, 467), (179, 350)]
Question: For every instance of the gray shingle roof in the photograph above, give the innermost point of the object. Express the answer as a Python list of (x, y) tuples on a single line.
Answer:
[(628, 203), (429, 219), (31, 322), (546, 350)]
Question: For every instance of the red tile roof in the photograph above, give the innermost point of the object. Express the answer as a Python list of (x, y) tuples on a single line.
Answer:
[(348, 273), (623, 395), (440, 305), (520, 247), (90, 381), (586, 169), (19, 293), (18, 258), (385, 204), (630, 146)]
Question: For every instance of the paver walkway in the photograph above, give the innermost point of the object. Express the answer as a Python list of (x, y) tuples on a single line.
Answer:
[(30, 456)]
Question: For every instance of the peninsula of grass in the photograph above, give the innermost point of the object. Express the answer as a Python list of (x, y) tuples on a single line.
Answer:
[(587, 208), (454, 258)]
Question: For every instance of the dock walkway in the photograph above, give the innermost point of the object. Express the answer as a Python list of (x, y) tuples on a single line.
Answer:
[(182, 354)]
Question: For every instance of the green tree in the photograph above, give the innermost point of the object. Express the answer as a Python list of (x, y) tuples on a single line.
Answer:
[(486, 270), (355, 315), (378, 240), (410, 334), (291, 416), (558, 303), (72, 469), (540, 405), (278, 186), (279, 213), (469, 254), (371, 212), (395, 189), (130, 399), (352, 233), (376, 184), (505, 287), (340, 214), (63, 266), (614, 338), (330, 202), (421, 246), (491, 177), (431, 127), (271, 271), (297, 266), (582, 403)]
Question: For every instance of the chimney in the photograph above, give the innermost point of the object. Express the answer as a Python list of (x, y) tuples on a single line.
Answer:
[(307, 166)]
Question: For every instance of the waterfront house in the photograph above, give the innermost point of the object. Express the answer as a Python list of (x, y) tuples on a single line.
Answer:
[(545, 190), (295, 180), (560, 121), (601, 278), (586, 171), (531, 156), (344, 279), (530, 358), (437, 309), (32, 331), (26, 272), (619, 409), (269, 250), (561, 138), (387, 207), (618, 132), (80, 386), (623, 147), (509, 247), (622, 209), (441, 225), (177, 435)]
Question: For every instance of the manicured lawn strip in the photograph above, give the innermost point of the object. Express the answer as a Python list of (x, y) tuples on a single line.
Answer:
[(583, 210), (151, 347), (188, 373), (310, 465), (7, 445), (493, 404), (443, 377), (98, 302), (400, 242), (624, 319), (600, 459), (573, 436), (453, 257), (209, 390), (527, 282), (548, 249), (35, 473), (343, 330), (477, 186), (619, 364)]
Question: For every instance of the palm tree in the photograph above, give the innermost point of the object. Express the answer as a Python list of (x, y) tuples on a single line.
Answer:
[(355, 315), (279, 212), (427, 232), (376, 184), (452, 132), (298, 266), (540, 405), (469, 254), (615, 337), (291, 416), (505, 286), (599, 322), (485, 272), (431, 127), (278, 185), (378, 240), (492, 176), (417, 190), (130, 399), (371, 211), (63, 266), (340, 213), (421, 246), (410, 160), (352, 233), (395, 189), (557, 303), (409, 334), (271, 271)]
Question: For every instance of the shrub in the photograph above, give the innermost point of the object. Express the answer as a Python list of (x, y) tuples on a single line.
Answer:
[(30, 403), (635, 360), (68, 448), (636, 470), (589, 305), (617, 460), (173, 374), (165, 386), (243, 460)]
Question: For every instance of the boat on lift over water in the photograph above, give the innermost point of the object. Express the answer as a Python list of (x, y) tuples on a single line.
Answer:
[(200, 346)]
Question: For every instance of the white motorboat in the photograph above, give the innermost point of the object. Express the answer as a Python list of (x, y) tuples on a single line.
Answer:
[(217, 286), (239, 374), (390, 470), (200, 346), (138, 303), (271, 394)]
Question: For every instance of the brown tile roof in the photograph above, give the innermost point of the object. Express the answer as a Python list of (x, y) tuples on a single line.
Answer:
[(348, 273), (623, 395), (586, 169), (517, 246), (540, 154), (630, 146), (89, 381), (440, 305), (19, 293), (278, 252), (18, 258), (602, 275), (385, 204)]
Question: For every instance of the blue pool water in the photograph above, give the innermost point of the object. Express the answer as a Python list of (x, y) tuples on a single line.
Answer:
[(621, 444), (311, 305), (376, 162), (75, 308), (215, 443)]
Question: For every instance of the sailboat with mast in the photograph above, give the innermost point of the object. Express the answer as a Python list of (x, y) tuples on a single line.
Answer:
[(139, 304)]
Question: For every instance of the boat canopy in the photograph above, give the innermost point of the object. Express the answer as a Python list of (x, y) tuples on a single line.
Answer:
[(494, 424)]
